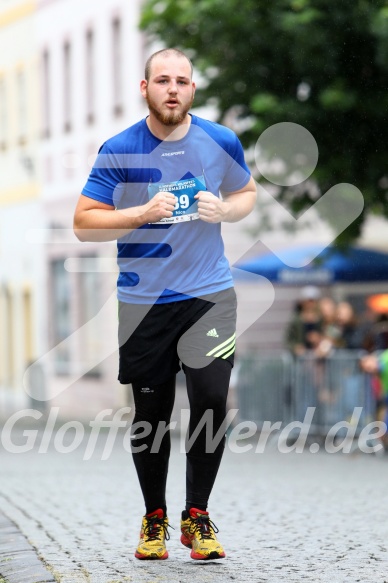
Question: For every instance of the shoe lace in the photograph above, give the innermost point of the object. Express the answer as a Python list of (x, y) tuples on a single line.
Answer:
[(154, 528), (204, 526)]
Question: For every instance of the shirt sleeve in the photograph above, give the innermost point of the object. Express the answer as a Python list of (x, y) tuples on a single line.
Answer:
[(237, 172), (106, 178)]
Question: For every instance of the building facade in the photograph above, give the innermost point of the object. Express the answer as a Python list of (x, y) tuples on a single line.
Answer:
[(21, 267), (90, 71), (66, 84)]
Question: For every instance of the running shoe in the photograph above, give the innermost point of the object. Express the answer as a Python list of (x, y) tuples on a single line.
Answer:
[(199, 534), (153, 534)]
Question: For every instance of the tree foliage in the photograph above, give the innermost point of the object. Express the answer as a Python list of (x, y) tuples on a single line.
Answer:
[(319, 63)]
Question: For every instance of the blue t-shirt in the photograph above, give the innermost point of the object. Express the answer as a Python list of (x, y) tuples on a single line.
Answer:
[(183, 256)]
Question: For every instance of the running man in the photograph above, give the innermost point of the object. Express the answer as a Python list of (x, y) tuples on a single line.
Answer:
[(162, 188)]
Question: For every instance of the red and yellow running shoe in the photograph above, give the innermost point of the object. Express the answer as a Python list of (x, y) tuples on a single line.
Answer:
[(153, 534), (199, 534)]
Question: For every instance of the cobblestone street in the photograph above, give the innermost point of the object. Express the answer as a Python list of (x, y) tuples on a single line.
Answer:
[(282, 517)]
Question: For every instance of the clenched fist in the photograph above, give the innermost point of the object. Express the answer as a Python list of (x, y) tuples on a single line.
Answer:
[(161, 206), (210, 208)]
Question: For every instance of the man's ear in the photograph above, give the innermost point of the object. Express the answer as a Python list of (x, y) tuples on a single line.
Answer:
[(143, 87)]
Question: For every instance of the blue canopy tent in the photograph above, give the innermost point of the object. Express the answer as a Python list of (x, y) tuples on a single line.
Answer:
[(353, 265)]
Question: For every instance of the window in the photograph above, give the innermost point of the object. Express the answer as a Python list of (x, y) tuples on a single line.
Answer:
[(3, 336), (60, 316), (67, 87), (117, 67), (46, 95), (27, 319), (21, 93), (3, 114), (90, 77), (9, 334)]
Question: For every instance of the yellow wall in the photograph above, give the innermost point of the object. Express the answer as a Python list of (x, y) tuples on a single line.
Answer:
[(19, 55), (17, 12), (17, 194)]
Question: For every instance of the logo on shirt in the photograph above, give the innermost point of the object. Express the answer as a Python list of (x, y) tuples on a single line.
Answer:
[(173, 153)]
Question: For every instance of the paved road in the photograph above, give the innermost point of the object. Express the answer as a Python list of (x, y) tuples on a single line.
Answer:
[(282, 517)]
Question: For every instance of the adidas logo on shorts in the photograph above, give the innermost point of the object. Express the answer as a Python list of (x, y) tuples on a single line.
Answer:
[(212, 332)]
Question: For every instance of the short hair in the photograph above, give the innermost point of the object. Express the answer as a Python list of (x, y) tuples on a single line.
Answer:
[(167, 53)]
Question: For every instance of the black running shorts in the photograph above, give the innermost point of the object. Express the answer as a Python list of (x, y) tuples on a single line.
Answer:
[(154, 340)]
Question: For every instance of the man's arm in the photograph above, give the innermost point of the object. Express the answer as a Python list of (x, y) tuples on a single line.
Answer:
[(233, 206), (97, 221)]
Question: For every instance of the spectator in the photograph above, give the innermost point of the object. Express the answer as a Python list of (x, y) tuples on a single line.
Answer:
[(349, 335), (330, 330), (304, 331), (380, 332), (376, 365), (327, 308)]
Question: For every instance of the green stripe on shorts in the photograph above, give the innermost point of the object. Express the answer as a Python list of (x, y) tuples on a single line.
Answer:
[(223, 347)]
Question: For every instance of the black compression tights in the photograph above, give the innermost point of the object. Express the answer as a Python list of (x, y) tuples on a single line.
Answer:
[(207, 390)]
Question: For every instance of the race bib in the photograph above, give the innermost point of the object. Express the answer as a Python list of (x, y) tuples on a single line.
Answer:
[(186, 208)]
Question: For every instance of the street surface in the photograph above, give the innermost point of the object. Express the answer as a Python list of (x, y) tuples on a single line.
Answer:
[(282, 517)]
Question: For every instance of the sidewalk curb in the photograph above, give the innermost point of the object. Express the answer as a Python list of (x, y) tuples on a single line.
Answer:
[(19, 562)]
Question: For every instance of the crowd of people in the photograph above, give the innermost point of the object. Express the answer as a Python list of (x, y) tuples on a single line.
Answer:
[(320, 325)]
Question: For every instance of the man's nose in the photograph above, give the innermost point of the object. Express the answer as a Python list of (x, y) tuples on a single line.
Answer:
[(173, 88)]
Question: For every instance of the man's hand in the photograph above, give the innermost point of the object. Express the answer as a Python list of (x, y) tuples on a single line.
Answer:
[(97, 221), (211, 209), (161, 206), (233, 206)]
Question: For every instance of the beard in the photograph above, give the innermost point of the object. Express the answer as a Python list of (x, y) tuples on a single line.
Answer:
[(172, 118)]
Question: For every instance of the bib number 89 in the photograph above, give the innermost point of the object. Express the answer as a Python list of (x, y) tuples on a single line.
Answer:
[(183, 202)]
